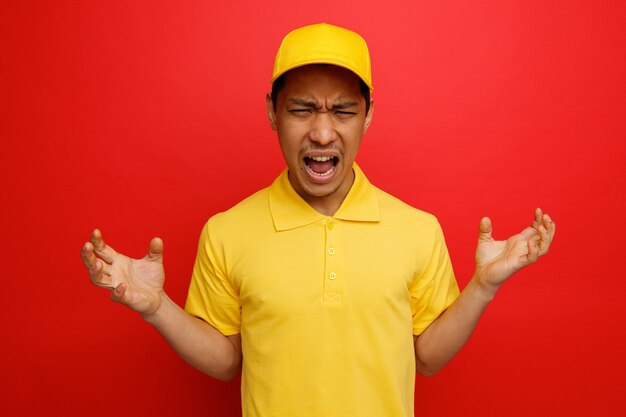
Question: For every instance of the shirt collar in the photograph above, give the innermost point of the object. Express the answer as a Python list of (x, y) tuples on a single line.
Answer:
[(290, 211)]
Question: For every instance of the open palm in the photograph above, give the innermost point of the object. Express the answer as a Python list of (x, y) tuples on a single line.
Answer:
[(497, 260), (136, 283)]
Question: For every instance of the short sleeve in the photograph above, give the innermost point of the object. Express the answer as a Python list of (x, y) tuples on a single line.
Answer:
[(211, 296), (435, 288)]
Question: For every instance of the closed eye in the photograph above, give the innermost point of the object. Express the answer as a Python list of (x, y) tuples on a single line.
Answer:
[(300, 112), (344, 114)]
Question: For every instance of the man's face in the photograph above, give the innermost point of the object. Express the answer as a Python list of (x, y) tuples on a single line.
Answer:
[(320, 119)]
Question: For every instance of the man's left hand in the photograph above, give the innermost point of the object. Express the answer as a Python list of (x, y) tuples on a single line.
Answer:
[(497, 260)]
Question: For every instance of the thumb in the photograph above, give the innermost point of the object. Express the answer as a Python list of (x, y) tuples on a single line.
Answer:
[(155, 250), (484, 230)]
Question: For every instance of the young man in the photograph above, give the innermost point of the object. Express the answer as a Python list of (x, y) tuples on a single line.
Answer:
[(329, 291)]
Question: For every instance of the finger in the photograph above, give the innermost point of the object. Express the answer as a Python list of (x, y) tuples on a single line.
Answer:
[(101, 248), (106, 268), (528, 233), (95, 267), (87, 255), (98, 277), (538, 218), (549, 225), (544, 241), (155, 250), (117, 294), (485, 229), (533, 250)]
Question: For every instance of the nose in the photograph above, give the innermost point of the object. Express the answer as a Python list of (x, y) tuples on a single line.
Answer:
[(323, 129)]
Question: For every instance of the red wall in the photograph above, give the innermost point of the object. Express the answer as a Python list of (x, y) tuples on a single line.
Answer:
[(145, 118)]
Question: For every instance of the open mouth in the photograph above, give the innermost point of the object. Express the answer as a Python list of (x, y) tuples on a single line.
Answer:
[(320, 166)]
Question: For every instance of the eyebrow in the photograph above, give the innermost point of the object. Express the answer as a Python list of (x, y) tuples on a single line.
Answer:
[(346, 104), (304, 103), (342, 105)]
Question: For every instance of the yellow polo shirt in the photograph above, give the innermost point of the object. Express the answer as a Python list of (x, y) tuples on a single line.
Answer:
[(326, 306)]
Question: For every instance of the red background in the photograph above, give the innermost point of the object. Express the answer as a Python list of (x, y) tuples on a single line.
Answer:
[(145, 118)]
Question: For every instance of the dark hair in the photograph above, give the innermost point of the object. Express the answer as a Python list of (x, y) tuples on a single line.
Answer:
[(280, 83)]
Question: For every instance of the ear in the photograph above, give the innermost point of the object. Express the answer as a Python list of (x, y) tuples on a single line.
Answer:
[(271, 114), (368, 116)]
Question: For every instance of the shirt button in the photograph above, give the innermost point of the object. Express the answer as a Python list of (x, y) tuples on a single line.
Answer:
[(331, 251), (330, 225), (332, 275)]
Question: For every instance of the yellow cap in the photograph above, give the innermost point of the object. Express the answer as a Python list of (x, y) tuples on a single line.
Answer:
[(324, 44)]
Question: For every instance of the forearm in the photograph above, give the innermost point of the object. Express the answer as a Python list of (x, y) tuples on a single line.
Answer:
[(198, 343), (442, 340), (496, 262)]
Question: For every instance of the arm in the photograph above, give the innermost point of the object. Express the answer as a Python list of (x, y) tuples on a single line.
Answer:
[(138, 284), (496, 261)]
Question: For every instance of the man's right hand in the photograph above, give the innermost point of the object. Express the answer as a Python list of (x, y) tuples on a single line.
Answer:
[(136, 283)]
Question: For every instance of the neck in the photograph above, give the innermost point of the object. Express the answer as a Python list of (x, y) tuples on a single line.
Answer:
[(329, 204), (325, 207)]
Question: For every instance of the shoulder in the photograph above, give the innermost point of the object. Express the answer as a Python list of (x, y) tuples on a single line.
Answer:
[(250, 211), (394, 209), (415, 229), (240, 219)]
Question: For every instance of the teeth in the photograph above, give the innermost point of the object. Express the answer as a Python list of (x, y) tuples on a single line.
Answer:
[(321, 158)]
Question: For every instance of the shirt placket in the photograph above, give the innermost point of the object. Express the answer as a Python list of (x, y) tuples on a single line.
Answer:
[(332, 277)]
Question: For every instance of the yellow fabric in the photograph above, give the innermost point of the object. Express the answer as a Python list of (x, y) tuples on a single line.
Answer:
[(324, 44), (326, 306)]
